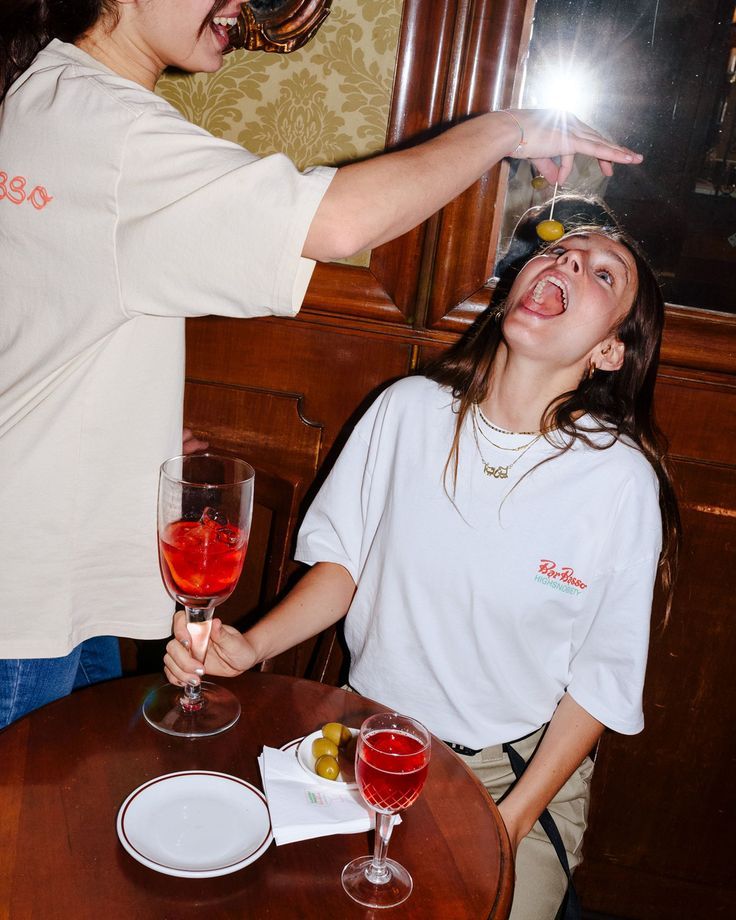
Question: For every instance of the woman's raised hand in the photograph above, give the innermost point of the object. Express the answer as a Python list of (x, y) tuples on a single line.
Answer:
[(548, 133), (228, 654)]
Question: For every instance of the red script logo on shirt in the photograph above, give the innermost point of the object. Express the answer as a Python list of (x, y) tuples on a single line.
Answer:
[(14, 190), (564, 575)]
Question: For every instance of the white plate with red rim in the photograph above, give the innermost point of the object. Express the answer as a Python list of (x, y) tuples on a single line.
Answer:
[(195, 824), (302, 748)]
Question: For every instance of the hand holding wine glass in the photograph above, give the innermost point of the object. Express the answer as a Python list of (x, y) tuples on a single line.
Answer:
[(391, 762), (229, 652), (205, 506)]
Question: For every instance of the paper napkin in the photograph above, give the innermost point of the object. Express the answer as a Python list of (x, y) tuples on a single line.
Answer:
[(301, 808)]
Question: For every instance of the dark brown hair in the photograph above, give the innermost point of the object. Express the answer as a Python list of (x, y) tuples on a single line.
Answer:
[(619, 402), (27, 26)]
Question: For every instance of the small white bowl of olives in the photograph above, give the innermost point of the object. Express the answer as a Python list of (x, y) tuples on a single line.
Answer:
[(328, 754)]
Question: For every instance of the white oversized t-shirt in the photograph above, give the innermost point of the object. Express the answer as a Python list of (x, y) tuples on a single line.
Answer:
[(476, 614), (118, 219)]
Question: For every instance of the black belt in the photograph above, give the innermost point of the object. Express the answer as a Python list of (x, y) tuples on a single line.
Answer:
[(461, 749), (471, 752)]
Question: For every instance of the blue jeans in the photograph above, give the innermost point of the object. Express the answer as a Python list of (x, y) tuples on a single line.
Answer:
[(29, 683)]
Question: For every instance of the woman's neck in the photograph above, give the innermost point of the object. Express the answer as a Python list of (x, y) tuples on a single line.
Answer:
[(521, 390), (120, 55)]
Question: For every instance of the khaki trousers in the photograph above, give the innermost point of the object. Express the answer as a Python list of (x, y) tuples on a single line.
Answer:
[(540, 879)]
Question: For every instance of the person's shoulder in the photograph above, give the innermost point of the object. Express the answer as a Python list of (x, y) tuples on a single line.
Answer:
[(406, 403), (416, 400), (618, 455), (419, 389), (69, 66)]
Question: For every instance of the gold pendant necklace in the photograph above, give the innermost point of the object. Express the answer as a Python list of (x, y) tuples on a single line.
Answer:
[(500, 471)]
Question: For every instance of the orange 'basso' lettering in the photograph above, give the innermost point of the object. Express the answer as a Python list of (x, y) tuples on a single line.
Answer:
[(14, 190), (39, 197)]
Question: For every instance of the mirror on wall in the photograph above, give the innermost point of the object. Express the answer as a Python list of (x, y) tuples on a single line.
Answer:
[(659, 76)]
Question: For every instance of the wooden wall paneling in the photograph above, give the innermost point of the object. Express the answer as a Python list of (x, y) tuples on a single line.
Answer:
[(256, 424), (426, 48), (328, 372), (700, 339), (488, 42), (698, 415), (660, 836)]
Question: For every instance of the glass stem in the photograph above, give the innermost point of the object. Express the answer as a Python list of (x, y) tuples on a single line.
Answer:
[(378, 872), (197, 617)]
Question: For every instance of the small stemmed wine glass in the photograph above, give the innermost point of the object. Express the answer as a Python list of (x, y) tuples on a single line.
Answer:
[(205, 507), (391, 762)]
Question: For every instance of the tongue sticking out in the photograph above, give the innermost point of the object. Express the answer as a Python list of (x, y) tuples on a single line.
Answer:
[(221, 33), (547, 299)]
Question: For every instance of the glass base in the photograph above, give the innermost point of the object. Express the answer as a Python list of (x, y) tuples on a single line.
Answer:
[(395, 889), (163, 710)]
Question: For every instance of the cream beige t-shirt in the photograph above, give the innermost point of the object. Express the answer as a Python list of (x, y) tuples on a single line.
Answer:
[(118, 218)]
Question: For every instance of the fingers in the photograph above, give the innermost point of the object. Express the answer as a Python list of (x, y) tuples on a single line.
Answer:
[(549, 134), (191, 444), (179, 666), (608, 152), (180, 628), (548, 168), (566, 163)]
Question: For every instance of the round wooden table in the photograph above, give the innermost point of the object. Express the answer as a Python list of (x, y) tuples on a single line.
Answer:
[(67, 768)]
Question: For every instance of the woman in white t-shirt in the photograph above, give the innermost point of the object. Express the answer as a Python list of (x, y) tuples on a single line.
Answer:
[(493, 531)]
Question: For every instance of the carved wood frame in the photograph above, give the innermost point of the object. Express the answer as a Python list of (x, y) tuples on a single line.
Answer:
[(281, 30)]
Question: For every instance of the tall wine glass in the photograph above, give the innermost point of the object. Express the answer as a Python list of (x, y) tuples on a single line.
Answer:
[(205, 507), (391, 761)]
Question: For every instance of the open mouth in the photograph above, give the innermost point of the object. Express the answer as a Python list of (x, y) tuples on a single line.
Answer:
[(221, 26), (548, 297)]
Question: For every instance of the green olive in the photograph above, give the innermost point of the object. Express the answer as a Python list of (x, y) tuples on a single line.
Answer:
[(549, 230), (327, 767), (337, 733), (539, 182), (321, 746)]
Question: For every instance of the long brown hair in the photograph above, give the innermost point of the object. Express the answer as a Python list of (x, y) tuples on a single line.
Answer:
[(27, 26), (620, 402)]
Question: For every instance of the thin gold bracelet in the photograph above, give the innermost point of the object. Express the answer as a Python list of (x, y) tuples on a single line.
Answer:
[(518, 125)]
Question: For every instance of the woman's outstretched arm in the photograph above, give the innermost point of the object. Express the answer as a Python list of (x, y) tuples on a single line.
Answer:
[(379, 199)]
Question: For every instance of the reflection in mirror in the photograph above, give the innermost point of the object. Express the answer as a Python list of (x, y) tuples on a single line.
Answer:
[(278, 25), (661, 78)]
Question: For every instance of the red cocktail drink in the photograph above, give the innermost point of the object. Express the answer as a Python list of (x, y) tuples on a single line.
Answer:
[(391, 769), (391, 761), (201, 561)]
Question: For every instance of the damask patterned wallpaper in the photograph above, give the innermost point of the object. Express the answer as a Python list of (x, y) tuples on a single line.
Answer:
[(324, 104)]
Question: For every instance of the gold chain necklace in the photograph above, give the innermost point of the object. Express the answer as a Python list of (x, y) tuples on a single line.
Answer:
[(501, 446), (493, 427), (499, 472)]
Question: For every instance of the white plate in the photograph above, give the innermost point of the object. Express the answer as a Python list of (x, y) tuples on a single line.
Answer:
[(306, 760), (195, 824)]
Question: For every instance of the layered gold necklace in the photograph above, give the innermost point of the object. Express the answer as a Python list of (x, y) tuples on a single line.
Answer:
[(498, 471)]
